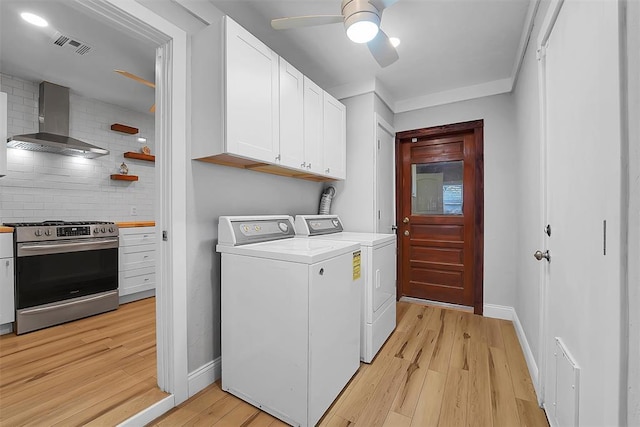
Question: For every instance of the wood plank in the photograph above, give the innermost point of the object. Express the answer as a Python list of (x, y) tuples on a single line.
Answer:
[(241, 415), (494, 333), (530, 414), (522, 385), (444, 343), (396, 420), (407, 397), (130, 130), (427, 411), (503, 403), (453, 411), (131, 224), (375, 413), (479, 402)]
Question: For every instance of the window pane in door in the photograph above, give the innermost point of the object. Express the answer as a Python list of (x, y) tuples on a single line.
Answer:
[(436, 188)]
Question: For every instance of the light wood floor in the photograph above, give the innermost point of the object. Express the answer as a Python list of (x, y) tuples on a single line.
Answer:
[(439, 368), (95, 371)]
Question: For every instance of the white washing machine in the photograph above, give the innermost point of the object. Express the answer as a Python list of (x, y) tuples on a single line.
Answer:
[(290, 317), (378, 269)]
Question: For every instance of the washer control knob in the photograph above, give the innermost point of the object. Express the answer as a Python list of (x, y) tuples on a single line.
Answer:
[(283, 226)]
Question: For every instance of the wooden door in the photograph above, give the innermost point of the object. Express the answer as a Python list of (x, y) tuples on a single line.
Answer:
[(440, 206)]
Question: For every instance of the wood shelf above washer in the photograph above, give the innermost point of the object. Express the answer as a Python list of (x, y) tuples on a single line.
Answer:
[(120, 177), (140, 156)]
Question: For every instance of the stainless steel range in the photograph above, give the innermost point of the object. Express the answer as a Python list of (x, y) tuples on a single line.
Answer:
[(64, 271)]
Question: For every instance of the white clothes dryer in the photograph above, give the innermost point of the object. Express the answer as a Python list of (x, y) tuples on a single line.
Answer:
[(379, 272), (290, 333)]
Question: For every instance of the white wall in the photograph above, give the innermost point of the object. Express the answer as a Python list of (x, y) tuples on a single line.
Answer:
[(500, 182), (354, 196), (46, 186)]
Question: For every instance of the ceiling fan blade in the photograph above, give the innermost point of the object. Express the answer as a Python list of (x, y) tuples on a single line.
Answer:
[(382, 4), (305, 21), (382, 50), (136, 78)]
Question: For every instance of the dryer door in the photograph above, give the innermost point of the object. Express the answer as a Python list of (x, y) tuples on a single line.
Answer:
[(383, 270)]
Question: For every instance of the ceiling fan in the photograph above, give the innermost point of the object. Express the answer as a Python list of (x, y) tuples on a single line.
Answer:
[(139, 80), (362, 22)]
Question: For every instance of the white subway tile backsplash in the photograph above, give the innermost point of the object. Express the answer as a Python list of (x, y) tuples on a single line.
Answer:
[(42, 186)]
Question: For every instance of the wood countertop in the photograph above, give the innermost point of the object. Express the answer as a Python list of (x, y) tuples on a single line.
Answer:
[(4, 229), (131, 224)]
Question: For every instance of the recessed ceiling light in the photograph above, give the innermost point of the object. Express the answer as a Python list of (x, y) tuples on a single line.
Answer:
[(394, 41), (36, 20)]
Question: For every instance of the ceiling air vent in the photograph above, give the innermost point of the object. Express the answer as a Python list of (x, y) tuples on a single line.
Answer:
[(79, 47)]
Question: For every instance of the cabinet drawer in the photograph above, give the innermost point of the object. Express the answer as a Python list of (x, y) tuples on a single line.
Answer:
[(136, 259), (137, 239), (138, 283), (6, 245)]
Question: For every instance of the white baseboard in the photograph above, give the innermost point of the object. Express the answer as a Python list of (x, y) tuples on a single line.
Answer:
[(498, 312), (509, 313), (204, 376), (150, 414)]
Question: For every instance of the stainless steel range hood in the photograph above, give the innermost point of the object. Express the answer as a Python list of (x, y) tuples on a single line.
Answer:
[(53, 106)]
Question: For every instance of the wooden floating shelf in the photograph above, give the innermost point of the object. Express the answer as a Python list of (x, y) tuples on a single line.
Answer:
[(140, 156), (124, 129), (120, 177)]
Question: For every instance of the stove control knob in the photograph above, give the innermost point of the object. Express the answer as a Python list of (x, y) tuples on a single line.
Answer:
[(47, 232), (38, 232), (96, 230), (103, 230), (112, 230)]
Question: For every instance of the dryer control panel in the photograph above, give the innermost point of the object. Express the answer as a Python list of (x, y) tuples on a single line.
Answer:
[(316, 225), (244, 230)]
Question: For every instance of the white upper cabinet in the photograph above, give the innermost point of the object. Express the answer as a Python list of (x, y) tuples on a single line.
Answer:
[(291, 108), (313, 126), (250, 108), (3, 134), (334, 147), (252, 113)]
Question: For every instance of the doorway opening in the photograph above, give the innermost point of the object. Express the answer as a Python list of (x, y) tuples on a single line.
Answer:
[(440, 204)]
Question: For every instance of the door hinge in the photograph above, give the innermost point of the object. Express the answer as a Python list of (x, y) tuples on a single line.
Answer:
[(378, 214), (541, 53), (378, 144), (164, 235)]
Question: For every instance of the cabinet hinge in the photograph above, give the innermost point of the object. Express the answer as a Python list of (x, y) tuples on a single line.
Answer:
[(164, 235)]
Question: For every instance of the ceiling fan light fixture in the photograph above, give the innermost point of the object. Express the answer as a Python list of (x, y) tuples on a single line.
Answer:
[(34, 19), (362, 27)]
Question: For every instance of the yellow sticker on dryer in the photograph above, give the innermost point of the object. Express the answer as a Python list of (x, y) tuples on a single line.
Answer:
[(357, 262)]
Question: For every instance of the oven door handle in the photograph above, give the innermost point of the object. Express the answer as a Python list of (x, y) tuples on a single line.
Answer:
[(44, 249)]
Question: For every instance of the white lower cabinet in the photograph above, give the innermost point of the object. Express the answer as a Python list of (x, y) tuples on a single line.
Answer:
[(137, 263), (7, 293)]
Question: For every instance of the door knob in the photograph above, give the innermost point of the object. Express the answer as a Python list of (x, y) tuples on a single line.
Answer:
[(406, 220), (406, 232), (539, 255)]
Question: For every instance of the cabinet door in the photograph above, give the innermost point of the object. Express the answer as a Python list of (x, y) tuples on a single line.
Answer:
[(291, 104), (251, 96), (7, 304), (313, 126), (334, 137)]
